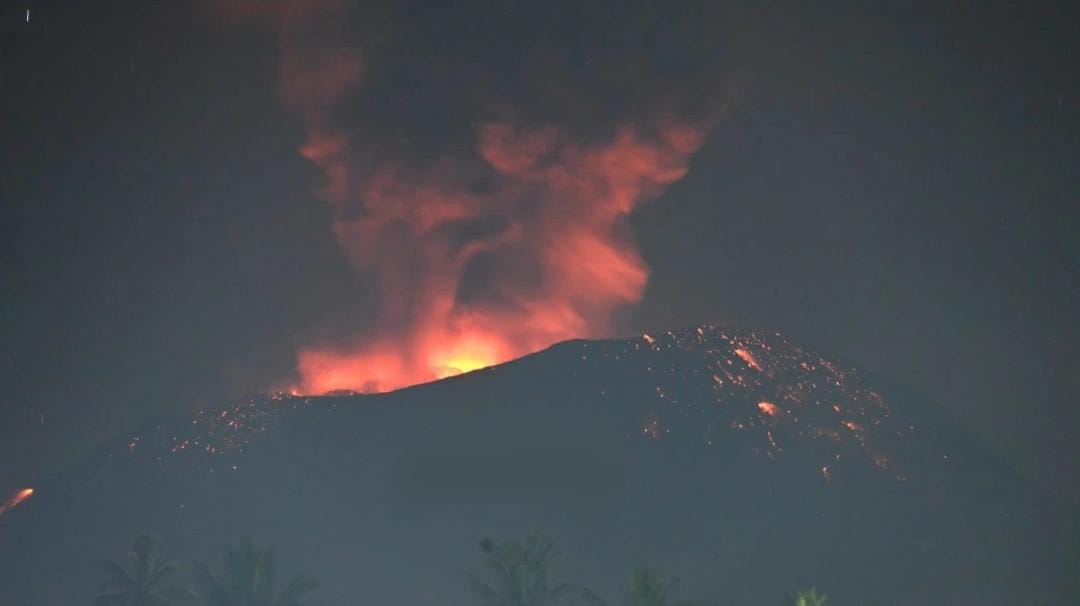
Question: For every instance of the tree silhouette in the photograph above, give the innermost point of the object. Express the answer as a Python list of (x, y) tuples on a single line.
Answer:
[(521, 574), (248, 579), (807, 597), (147, 580), (649, 588)]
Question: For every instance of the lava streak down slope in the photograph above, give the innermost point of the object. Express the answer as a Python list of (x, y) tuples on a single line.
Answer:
[(738, 460)]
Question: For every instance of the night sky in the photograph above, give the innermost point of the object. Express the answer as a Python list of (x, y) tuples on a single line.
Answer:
[(894, 185)]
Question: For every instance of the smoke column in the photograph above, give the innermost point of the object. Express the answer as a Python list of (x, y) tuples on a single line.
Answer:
[(487, 200)]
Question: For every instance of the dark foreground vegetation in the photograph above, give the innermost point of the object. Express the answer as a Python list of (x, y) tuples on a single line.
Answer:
[(516, 573)]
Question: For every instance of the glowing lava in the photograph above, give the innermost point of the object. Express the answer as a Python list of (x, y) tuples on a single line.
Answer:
[(461, 364), (749, 358), (768, 408), (390, 363), (796, 408)]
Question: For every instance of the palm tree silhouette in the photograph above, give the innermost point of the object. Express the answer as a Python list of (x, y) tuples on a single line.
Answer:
[(649, 588), (520, 574), (248, 579), (807, 597), (145, 582)]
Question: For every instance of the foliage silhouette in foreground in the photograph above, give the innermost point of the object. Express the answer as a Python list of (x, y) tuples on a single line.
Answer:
[(807, 597), (147, 580), (521, 573), (248, 578), (649, 588)]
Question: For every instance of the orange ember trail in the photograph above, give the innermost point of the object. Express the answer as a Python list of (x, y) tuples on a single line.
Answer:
[(17, 498), (749, 359), (768, 408)]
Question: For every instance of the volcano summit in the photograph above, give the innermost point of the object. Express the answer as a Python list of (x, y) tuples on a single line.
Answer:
[(736, 459)]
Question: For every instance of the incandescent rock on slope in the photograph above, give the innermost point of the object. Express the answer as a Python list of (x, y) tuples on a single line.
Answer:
[(742, 462)]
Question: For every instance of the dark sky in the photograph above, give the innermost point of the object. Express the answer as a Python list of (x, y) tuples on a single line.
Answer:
[(894, 185)]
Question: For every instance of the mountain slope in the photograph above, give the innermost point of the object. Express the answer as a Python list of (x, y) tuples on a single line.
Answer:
[(742, 462)]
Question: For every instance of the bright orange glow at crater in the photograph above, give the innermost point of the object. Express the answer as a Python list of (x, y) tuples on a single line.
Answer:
[(464, 357), (392, 363)]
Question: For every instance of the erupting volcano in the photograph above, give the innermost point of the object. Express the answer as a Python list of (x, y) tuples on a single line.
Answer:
[(672, 444), (308, 300), (488, 250), (707, 386), (546, 247)]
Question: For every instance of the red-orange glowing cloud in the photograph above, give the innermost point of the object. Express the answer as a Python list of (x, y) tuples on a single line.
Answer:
[(560, 257), (470, 276)]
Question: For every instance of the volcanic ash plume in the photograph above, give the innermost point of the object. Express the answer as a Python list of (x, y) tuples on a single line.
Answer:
[(547, 245), (492, 232)]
